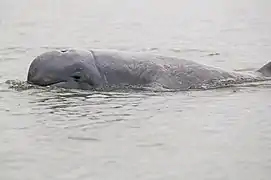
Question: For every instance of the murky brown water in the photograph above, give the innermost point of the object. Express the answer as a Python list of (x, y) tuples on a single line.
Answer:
[(53, 134)]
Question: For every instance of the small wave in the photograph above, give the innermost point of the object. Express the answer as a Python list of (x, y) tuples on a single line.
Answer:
[(260, 84), (214, 54), (14, 49), (83, 138), (191, 50)]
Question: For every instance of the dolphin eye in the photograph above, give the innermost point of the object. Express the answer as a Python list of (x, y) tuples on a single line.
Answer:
[(80, 78), (76, 77)]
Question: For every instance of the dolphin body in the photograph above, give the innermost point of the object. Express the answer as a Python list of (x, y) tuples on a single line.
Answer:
[(99, 69)]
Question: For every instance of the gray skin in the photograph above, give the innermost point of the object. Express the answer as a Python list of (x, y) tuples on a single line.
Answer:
[(96, 69)]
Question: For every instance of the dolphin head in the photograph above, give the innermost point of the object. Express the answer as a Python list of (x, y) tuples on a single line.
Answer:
[(73, 69)]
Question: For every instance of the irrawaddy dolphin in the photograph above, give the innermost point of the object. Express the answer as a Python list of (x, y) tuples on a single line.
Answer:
[(100, 69)]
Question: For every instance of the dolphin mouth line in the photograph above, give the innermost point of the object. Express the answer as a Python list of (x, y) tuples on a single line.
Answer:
[(46, 84)]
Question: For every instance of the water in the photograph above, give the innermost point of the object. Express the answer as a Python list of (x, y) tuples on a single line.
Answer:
[(55, 134)]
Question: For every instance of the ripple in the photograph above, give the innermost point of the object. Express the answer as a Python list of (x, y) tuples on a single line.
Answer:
[(20, 85), (77, 138), (14, 50)]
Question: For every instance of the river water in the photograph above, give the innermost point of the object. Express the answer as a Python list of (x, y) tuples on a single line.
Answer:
[(54, 134)]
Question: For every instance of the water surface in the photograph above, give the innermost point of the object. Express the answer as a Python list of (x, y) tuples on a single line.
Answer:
[(57, 134)]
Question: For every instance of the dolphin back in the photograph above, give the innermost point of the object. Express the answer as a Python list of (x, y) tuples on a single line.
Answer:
[(266, 70)]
